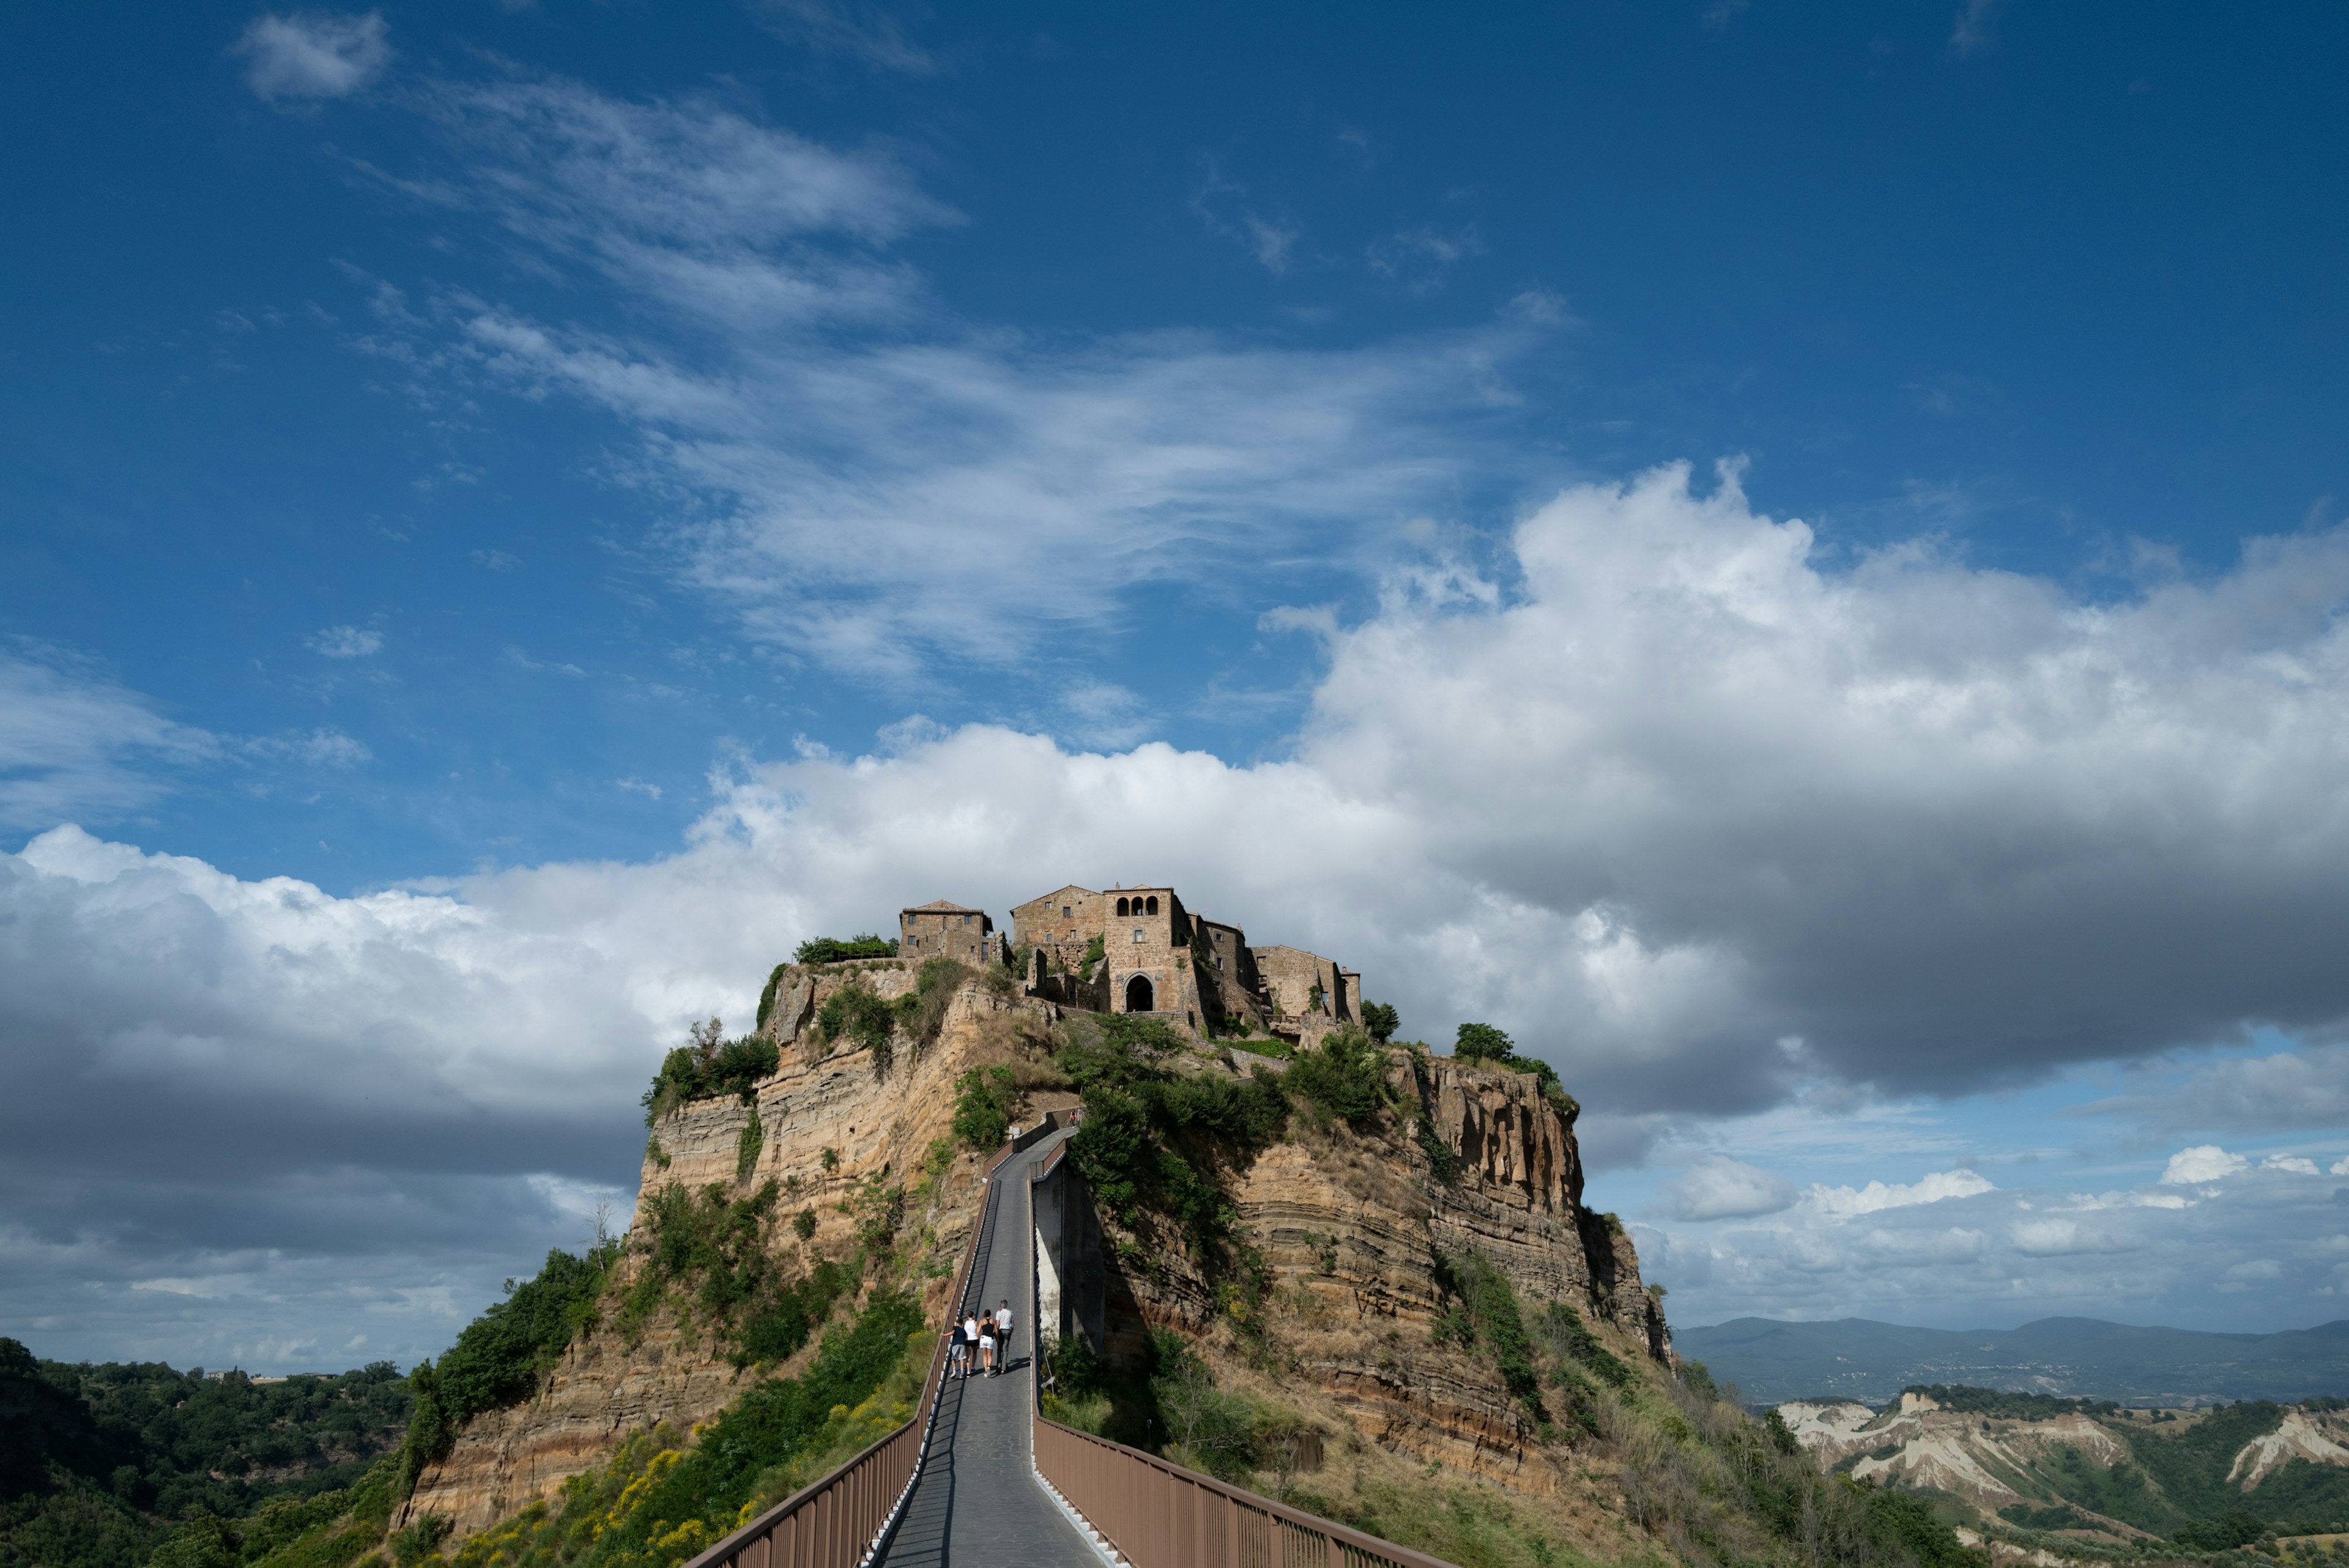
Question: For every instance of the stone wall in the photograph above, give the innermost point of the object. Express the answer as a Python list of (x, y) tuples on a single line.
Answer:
[(1291, 975)]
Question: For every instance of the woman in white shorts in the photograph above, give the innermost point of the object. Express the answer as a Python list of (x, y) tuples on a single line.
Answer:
[(985, 1345)]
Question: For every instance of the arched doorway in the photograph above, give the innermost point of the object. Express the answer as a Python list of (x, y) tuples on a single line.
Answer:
[(1138, 997)]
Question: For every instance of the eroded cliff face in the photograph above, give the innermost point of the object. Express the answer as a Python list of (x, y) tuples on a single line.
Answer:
[(1353, 1226), (608, 1384), (1350, 1228)]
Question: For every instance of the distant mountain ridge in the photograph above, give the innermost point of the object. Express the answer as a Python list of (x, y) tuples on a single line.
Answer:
[(2080, 1357)]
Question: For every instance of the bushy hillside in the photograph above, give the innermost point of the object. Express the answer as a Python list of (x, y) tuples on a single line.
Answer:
[(97, 1462)]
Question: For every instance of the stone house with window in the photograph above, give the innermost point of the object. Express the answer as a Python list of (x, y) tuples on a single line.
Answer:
[(1060, 923), (943, 929)]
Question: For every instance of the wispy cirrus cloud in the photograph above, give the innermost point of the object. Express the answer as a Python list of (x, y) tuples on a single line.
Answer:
[(864, 480), (348, 642), (1970, 31), (856, 29), (314, 55), (75, 744)]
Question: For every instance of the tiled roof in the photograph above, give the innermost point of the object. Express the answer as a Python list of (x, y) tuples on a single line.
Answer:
[(938, 906)]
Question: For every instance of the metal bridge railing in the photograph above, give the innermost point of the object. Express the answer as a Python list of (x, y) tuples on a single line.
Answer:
[(1148, 1513), (842, 1519)]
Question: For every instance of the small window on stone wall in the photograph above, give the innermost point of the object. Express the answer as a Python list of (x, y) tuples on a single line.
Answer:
[(1137, 935)]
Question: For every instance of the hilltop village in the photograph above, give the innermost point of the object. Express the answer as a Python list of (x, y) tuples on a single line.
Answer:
[(1138, 951)]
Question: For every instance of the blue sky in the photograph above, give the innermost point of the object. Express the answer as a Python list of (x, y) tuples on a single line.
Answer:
[(595, 495)]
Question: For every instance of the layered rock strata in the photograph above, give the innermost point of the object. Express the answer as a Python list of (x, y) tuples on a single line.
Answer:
[(1353, 1228), (675, 1370), (1350, 1229)]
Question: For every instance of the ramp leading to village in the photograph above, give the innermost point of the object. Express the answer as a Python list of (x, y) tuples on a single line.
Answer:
[(977, 1504)]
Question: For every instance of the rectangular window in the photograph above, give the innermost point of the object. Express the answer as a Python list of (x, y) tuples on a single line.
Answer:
[(1137, 936)]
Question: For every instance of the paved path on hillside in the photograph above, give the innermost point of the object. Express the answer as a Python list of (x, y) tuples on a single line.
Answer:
[(978, 1504)]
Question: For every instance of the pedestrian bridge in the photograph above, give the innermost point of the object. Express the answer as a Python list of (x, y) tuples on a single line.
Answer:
[(977, 1479)]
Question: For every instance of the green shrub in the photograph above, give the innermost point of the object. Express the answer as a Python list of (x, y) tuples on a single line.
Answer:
[(707, 1068), (922, 1011), (714, 1253), (855, 1016), (982, 1108), (1214, 1431), (1152, 1138), (419, 1541), (803, 1224), (2236, 1527), (832, 949), (500, 1356), (1380, 1020), (766, 998), (1345, 1078), (1484, 1313), (1569, 1339), (1482, 1042), (746, 1146), (664, 1497), (1096, 951)]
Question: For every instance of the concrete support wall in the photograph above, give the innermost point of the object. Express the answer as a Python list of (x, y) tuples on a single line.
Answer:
[(1069, 1264)]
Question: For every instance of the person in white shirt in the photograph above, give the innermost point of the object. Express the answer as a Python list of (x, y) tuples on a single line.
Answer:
[(1002, 1337)]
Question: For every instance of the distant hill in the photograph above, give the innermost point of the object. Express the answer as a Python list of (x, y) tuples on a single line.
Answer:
[(97, 1462), (2083, 1358)]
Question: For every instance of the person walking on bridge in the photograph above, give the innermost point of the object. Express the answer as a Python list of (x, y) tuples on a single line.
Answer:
[(1003, 1336)]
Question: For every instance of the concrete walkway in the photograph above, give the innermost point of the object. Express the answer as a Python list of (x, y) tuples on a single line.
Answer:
[(978, 1504)]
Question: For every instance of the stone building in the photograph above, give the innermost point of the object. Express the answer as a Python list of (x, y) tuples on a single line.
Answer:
[(1296, 981), (1161, 960), (943, 929), (1060, 923)]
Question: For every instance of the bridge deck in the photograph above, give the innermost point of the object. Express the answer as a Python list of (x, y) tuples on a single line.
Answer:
[(978, 1504)]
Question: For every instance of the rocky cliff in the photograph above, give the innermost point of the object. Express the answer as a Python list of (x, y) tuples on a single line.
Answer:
[(673, 1367), (1358, 1231), (1353, 1230)]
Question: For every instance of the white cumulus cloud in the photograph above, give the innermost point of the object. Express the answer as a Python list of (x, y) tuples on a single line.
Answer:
[(2203, 1163), (1843, 1202)]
